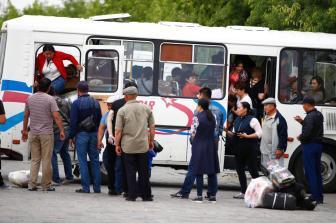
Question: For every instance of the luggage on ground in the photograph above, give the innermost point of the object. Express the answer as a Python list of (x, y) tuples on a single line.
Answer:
[(256, 190), (21, 178), (280, 201)]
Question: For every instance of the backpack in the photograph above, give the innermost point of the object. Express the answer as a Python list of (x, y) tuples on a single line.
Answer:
[(88, 124)]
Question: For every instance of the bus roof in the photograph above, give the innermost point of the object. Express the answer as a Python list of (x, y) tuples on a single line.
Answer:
[(174, 31)]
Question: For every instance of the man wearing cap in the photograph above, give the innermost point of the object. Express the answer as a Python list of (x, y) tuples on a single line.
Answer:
[(134, 140), (84, 121), (109, 155), (311, 140), (275, 133)]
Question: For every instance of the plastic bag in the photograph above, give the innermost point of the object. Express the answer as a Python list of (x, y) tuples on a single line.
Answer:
[(280, 176), (256, 191), (21, 178)]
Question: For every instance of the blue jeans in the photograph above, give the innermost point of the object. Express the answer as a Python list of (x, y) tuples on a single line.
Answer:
[(118, 175), (58, 85), (61, 147), (212, 185), (312, 153), (86, 144)]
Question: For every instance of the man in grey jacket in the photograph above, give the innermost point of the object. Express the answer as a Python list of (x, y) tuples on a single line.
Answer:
[(274, 137)]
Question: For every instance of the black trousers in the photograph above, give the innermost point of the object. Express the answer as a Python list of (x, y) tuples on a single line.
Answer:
[(246, 155), (137, 163), (111, 159)]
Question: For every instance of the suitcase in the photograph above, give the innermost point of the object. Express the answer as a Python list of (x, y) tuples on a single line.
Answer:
[(279, 201)]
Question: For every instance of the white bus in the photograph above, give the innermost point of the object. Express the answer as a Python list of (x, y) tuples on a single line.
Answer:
[(169, 51)]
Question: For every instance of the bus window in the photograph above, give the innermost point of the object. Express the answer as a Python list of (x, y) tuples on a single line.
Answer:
[(185, 68), (316, 76), (102, 70), (139, 61), (3, 39), (72, 73)]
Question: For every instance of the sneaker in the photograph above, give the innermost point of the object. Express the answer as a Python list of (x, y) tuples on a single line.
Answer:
[(4, 187), (125, 195), (49, 189), (67, 182), (212, 199), (55, 184), (239, 196), (179, 195), (113, 193), (198, 199), (130, 199), (32, 189), (82, 191), (148, 199)]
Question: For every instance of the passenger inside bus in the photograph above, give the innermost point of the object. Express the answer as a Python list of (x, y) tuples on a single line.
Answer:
[(317, 90), (256, 91), (145, 82), (191, 88), (237, 74), (49, 64)]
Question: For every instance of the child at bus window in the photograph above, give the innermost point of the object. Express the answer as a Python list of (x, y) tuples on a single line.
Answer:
[(49, 64), (191, 88)]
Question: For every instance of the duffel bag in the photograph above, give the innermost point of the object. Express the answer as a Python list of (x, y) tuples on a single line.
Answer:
[(280, 201)]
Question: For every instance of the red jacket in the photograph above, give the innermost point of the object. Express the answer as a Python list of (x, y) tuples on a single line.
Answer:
[(58, 61)]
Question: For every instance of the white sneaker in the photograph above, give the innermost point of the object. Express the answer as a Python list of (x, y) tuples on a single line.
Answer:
[(239, 196)]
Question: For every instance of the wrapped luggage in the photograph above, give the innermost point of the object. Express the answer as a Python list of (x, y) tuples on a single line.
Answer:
[(256, 190), (280, 176), (280, 201), (21, 178)]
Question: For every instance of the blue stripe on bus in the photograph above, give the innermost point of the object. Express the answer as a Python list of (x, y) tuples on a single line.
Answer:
[(11, 122), (172, 131), (10, 85)]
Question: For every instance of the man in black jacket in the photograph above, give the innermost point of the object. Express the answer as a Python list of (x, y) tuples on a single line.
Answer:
[(311, 140)]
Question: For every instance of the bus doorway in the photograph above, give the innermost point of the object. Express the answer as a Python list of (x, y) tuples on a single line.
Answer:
[(258, 75)]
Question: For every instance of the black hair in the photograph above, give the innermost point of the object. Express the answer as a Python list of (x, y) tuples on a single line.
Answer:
[(191, 74), (131, 84), (147, 72), (176, 71), (240, 85), (206, 92), (320, 82), (52, 91), (48, 47), (204, 104), (44, 84), (246, 105)]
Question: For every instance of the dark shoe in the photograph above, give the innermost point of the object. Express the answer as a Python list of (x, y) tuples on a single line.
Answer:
[(212, 199), (4, 187), (148, 199), (125, 195), (82, 191), (113, 193), (130, 199), (49, 189), (97, 192), (198, 199), (32, 189), (179, 195)]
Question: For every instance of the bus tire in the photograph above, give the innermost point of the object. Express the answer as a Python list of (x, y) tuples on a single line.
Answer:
[(328, 161)]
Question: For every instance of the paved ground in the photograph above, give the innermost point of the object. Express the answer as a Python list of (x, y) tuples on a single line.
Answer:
[(20, 205)]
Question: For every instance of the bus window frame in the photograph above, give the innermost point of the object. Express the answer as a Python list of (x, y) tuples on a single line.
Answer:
[(56, 44), (193, 44), (300, 51), (117, 71), (3, 52)]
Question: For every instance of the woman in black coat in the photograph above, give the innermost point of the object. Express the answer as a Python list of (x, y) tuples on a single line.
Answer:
[(205, 158)]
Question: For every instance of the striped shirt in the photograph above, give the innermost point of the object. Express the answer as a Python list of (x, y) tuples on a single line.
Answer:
[(41, 106)]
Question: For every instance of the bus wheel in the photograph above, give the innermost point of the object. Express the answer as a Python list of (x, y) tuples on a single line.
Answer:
[(328, 168)]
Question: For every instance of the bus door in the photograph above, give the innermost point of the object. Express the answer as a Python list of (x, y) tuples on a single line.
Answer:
[(103, 71), (252, 63)]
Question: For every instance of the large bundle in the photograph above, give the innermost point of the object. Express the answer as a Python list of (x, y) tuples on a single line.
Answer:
[(280, 201), (256, 191), (21, 177)]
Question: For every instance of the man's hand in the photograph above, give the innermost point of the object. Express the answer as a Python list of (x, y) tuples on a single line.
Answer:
[(79, 67), (278, 153), (298, 119), (62, 135), (24, 134), (72, 142), (111, 140), (118, 150), (100, 145)]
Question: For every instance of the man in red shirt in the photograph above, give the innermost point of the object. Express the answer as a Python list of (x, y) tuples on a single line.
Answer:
[(191, 88)]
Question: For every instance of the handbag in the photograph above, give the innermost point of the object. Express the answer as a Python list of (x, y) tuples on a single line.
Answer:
[(88, 124)]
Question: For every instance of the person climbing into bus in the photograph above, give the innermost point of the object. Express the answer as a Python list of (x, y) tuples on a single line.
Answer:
[(49, 64), (191, 88)]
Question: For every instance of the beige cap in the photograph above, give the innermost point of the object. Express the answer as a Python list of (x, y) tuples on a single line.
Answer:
[(130, 91)]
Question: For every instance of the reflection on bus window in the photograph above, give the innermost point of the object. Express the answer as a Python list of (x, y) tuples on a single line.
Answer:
[(102, 70), (316, 79), (138, 57), (182, 74)]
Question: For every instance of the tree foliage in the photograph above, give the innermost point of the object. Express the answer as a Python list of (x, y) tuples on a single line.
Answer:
[(303, 15)]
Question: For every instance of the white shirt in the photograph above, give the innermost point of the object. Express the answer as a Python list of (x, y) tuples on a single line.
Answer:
[(50, 70), (246, 98)]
